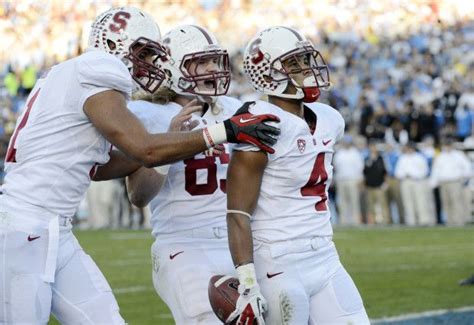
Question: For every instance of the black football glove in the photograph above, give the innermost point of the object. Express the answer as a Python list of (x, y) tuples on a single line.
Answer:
[(245, 127)]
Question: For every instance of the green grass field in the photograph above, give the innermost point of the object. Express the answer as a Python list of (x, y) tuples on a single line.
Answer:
[(397, 270)]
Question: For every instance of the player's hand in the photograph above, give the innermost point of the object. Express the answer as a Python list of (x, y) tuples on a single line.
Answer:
[(215, 151), (245, 127), (182, 121), (251, 307)]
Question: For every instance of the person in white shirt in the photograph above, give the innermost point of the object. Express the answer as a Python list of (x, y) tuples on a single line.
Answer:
[(72, 117), (451, 170), (280, 234), (188, 199), (417, 198), (348, 176)]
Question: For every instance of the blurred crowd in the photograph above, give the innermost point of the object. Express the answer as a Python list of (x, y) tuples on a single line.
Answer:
[(401, 73), (413, 184)]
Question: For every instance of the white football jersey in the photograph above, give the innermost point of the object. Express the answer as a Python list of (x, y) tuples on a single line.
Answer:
[(294, 191), (54, 149), (194, 193)]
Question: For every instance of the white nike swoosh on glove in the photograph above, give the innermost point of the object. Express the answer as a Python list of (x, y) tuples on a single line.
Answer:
[(247, 120)]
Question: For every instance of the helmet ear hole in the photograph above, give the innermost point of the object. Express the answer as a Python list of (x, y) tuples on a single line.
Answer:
[(267, 78), (111, 44), (168, 72)]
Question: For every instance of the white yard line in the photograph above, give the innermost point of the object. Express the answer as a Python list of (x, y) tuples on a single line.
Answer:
[(415, 316), (119, 291), (134, 289)]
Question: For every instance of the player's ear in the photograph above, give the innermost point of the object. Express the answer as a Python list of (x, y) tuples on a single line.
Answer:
[(267, 78), (111, 45)]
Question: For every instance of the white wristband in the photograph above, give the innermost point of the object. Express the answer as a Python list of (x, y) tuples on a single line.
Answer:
[(214, 134), (246, 274), (162, 170), (240, 212)]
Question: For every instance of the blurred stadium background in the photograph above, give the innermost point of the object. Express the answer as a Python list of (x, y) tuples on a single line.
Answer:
[(402, 76)]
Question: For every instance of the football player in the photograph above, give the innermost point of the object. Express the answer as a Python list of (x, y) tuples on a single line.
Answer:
[(280, 235), (188, 199), (72, 117)]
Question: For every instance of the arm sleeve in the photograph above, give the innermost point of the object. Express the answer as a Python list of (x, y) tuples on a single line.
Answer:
[(98, 72)]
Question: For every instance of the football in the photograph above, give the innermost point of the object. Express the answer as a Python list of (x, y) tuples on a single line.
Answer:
[(223, 294)]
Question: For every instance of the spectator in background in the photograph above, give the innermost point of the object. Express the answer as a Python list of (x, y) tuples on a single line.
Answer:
[(423, 123), (428, 150), (102, 201), (464, 118), (348, 176), (376, 186), (391, 156), (11, 82), (451, 170), (366, 112), (28, 79), (467, 97), (396, 134), (412, 171), (449, 100)]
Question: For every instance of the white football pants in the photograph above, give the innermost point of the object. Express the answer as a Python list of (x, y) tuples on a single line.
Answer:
[(305, 283), (182, 268), (76, 292)]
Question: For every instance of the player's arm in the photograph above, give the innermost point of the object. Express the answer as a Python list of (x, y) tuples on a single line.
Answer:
[(144, 184), (108, 112), (118, 166), (244, 178)]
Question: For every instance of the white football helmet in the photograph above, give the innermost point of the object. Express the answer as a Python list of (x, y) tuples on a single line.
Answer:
[(119, 30), (263, 59), (190, 43)]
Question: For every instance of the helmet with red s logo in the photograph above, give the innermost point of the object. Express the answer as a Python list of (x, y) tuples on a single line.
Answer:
[(264, 59), (198, 64), (131, 35)]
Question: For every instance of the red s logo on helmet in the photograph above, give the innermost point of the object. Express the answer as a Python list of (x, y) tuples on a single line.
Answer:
[(256, 54), (120, 21)]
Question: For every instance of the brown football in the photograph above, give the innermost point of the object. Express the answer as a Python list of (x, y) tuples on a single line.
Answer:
[(223, 294)]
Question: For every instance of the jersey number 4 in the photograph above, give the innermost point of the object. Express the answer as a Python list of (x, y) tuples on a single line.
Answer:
[(316, 185), (207, 163), (11, 151)]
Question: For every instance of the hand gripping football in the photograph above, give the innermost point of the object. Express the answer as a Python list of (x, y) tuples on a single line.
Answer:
[(223, 294)]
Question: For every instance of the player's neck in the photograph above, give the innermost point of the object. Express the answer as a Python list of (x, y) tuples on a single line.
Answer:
[(183, 100), (289, 105)]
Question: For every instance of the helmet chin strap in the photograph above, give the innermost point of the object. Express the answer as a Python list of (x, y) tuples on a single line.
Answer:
[(311, 94), (310, 90)]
